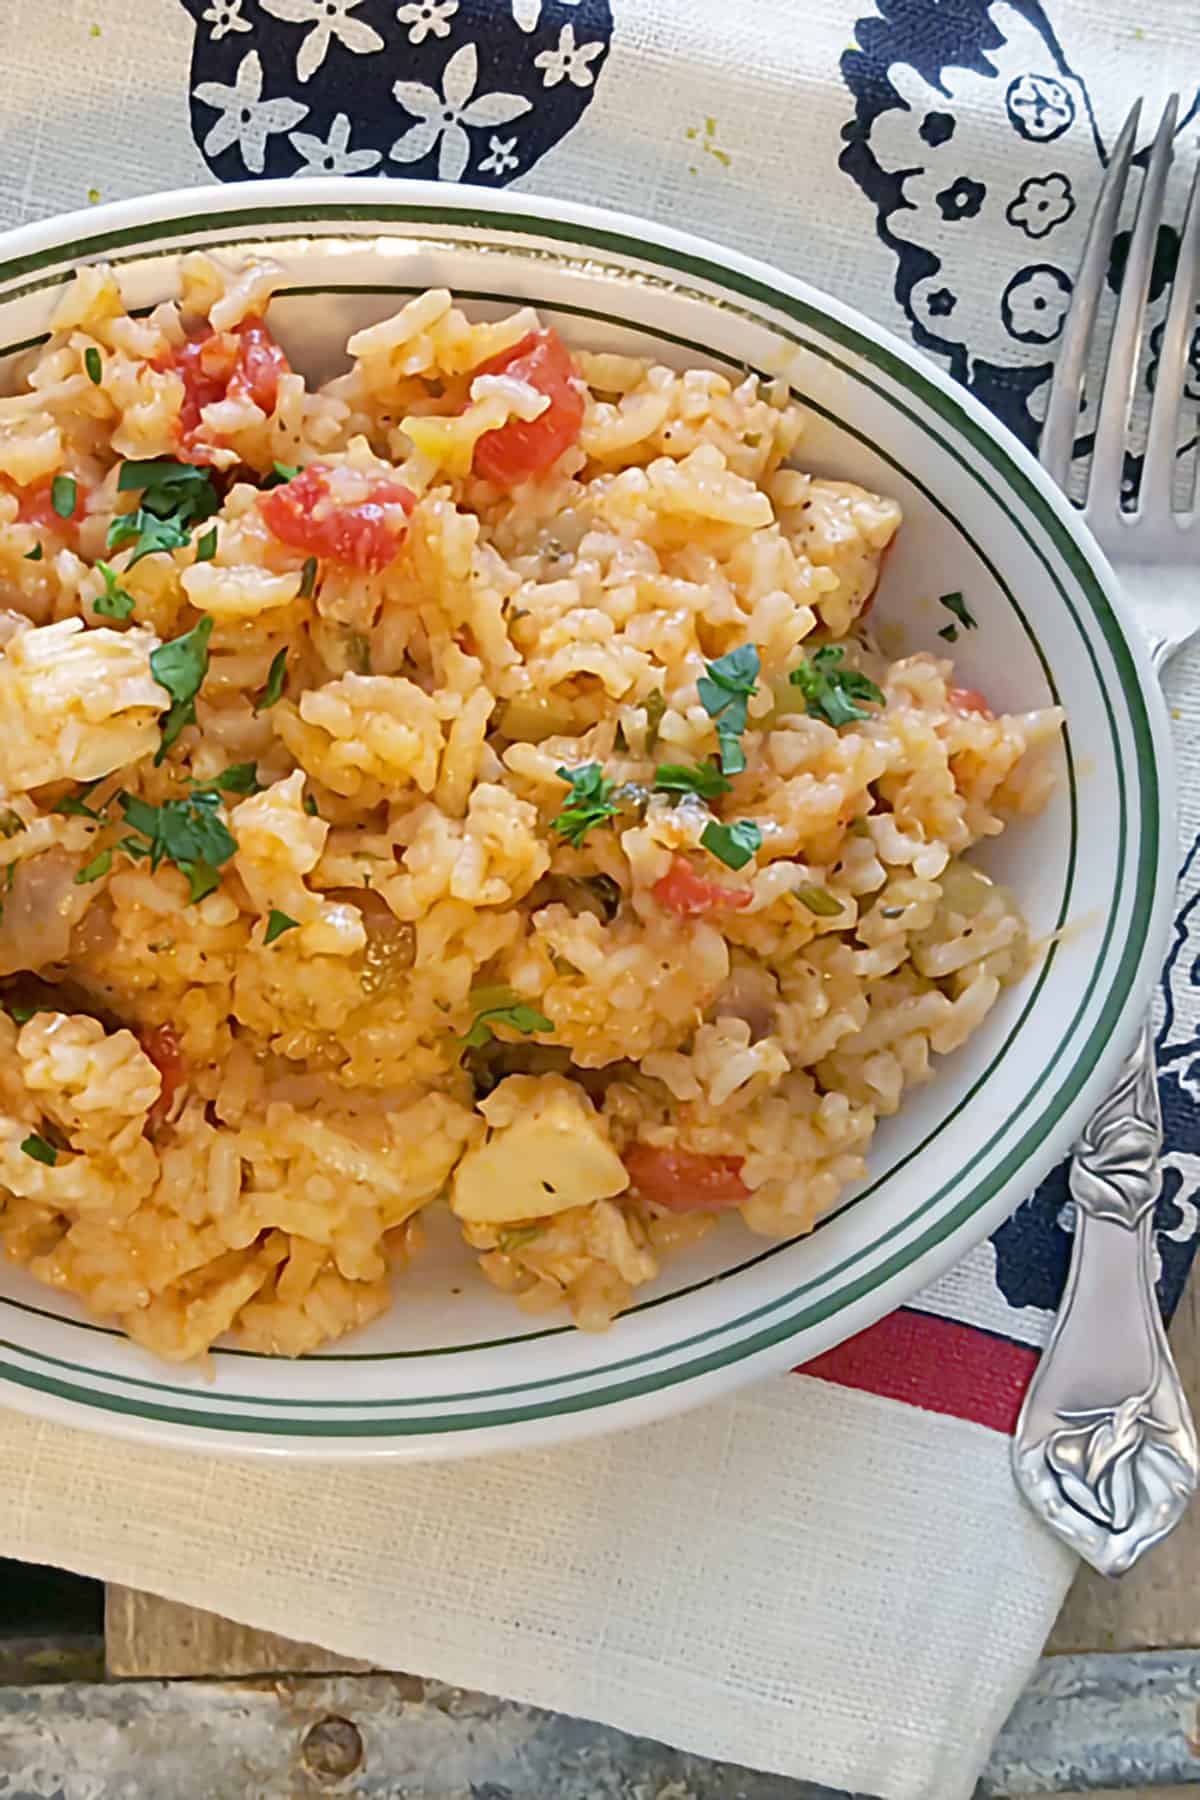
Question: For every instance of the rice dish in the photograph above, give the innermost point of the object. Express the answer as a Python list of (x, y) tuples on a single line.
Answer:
[(473, 783)]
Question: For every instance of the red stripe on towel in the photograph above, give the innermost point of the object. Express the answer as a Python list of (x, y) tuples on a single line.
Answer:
[(936, 1364)]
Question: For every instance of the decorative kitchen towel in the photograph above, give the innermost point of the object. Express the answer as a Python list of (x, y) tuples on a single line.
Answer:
[(829, 1577)]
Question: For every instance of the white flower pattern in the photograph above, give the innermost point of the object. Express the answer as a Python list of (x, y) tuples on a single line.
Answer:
[(333, 156), (528, 13), (225, 16), (570, 62), (427, 18), (442, 118), (501, 157), (330, 19), (246, 120)]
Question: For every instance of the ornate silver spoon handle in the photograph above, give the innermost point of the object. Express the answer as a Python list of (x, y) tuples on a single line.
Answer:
[(1105, 1449)]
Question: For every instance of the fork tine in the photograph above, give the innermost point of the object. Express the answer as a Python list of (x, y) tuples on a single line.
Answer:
[(1062, 413), (1120, 377), (1158, 472)]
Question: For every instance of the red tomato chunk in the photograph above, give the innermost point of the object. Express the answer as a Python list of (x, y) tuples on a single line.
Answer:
[(969, 700), (35, 506), (684, 892), (364, 535), (683, 1181), (524, 448), (163, 1048), (243, 364)]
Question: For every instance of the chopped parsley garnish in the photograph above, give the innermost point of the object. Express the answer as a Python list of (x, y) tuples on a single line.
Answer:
[(63, 494), (950, 633), (277, 923), (275, 679), (734, 844), (954, 603), (114, 602), (590, 804), (99, 865), (187, 832), (832, 692), (308, 577), (20, 1014), (34, 555), (310, 807), (656, 706), (180, 667), (175, 496), (93, 365), (358, 650), (508, 1241), (11, 823), (36, 1147), (724, 689), (281, 474), (500, 1006), (75, 805), (704, 779), (238, 778), (206, 545), (818, 900)]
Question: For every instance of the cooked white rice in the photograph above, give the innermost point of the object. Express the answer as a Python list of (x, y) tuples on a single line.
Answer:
[(229, 1114)]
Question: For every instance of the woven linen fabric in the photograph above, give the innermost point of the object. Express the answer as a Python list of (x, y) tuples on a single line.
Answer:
[(830, 1576)]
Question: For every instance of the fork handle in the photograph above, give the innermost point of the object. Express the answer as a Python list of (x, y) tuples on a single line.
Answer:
[(1105, 1449)]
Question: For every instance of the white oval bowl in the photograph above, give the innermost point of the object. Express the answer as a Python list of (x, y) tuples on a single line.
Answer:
[(453, 1369)]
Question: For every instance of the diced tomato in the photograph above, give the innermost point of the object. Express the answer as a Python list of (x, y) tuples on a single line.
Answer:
[(524, 448), (163, 1048), (35, 506), (365, 535), (969, 700), (683, 1181), (243, 364), (684, 892), (260, 363)]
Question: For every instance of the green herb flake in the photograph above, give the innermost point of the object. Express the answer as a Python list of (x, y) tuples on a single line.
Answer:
[(500, 1006), (180, 666), (950, 633), (277, 923), (114, 602), (725, 689), (590, 802), (175, 496), (99, 865), (238, 778), (358, 650), (64, 492), (11, 823), (655, 707), (206, 545), (281, 474), (508, 1241), (93, 365), (187, 832), (734, 844), (20, 1014), (704, 779), (831, 691), (620, 741), (34, 555), (39, 1150), (276, 676), (954, 603), (310, 807), (818, 900), (308, 578), (75, 806)]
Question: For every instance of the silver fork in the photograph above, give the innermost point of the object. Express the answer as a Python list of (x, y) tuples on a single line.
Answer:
[(1105, 1449)]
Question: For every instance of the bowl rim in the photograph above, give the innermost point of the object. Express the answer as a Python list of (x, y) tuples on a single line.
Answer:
[(363, 205)]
